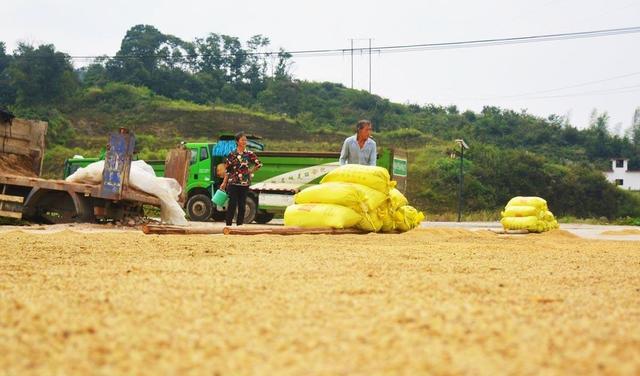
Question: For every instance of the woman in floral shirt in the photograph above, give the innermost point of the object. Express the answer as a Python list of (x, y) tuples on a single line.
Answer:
[(240, 166)]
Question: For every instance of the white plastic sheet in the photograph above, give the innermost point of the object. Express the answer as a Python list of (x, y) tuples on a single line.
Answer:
[(142, 177)]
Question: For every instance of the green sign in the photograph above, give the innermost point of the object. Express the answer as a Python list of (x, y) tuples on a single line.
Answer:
[(399, 167)]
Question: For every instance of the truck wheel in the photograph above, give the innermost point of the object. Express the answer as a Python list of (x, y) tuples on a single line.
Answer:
[(53, 207), (264, 217), (250, 209), (199, 208)]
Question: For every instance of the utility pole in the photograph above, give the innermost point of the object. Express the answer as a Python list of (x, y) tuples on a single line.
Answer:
[(463, 145), (352, 63), (369, 65)]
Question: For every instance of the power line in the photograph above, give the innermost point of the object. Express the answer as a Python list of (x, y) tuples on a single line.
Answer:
[(513, 40), (527, 94), (616, 90), (608, 91), (397, 48)]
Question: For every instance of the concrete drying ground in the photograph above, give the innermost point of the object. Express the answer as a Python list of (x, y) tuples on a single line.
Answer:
[(90, 299)]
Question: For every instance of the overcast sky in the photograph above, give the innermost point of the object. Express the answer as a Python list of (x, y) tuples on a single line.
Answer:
[(527, 76)]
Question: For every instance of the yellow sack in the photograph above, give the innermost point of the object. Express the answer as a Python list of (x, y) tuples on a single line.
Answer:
[(386, 215), (531, 223), (358, 197), (522, 211), (548, 216), (397, 198), (537, 202), (374, 198), (320, 215), (370, 222), (372, 176), (407, 217)]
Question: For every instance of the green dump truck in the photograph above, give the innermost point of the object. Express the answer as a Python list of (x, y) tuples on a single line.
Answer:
[(283, 174)]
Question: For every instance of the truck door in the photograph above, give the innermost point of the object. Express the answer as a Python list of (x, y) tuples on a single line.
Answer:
[(193, 164), (200, 165)]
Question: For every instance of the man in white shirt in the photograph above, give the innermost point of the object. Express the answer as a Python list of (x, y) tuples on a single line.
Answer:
[(359, 148)]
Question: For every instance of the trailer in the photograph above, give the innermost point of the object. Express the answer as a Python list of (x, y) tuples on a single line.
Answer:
[(25, 195)]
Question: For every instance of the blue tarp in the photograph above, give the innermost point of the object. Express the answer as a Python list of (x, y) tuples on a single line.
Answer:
[(224, 147)]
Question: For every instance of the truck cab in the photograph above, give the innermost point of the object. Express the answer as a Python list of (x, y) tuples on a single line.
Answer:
[(203, 179)]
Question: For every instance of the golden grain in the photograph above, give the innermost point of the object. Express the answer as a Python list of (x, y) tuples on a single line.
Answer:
[(440, 301)]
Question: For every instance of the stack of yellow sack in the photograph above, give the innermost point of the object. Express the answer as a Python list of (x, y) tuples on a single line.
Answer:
[(528, 213), (357, 196)]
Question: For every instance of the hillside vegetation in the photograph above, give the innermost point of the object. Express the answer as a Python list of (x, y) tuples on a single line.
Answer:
[(166, 90)]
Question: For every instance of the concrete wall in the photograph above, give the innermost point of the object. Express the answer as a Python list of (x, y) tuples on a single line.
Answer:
[(630, 179)]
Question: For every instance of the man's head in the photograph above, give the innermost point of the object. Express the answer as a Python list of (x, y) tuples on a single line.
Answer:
[(364, 129)]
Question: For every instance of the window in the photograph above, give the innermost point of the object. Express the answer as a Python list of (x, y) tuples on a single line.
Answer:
[(619, 163), (619, 182), (204, 153), (194, 155)]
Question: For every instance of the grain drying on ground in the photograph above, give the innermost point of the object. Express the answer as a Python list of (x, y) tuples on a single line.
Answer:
[(440, 300), (621, 232)]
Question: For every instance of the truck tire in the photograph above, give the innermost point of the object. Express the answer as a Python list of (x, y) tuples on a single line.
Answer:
[(52, 207), (250, 209), (264, 217), (199, 208)]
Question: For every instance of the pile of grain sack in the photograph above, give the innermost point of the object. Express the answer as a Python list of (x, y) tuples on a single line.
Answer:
[(528, 213), (354, 196)]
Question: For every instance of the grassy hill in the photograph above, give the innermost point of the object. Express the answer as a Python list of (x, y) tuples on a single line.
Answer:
[(493, 172)]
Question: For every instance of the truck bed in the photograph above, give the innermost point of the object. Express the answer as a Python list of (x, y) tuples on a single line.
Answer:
[(92, 190)]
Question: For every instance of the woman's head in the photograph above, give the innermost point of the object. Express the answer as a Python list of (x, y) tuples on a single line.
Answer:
[(241, 140)]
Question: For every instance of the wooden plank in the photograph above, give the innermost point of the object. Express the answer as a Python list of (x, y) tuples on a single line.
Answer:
[(18, 199), (179, 230), (289, 231), (27, 138), (10, 214), (57, 185), (92, 190), (509, 232), (177, 167), (131, 194), (16, 131), (16, 146), (249, 230)]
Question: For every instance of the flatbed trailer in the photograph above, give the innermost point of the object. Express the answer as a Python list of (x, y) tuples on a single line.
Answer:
[(23, 194)]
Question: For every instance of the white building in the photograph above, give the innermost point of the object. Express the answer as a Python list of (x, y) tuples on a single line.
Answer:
[(621, 176)]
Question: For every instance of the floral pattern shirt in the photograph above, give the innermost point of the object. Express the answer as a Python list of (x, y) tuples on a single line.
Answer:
[(238, 165)]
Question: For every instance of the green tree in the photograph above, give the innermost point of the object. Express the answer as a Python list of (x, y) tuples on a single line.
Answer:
[(7, 92), (42, 75), (256, 64), (233, 58), (281, 70), (210, 55), (280, 96), (94, 74), (635, 128), (138, 57)]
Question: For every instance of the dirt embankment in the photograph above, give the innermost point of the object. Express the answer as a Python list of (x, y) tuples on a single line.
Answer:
[(434, 301)]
